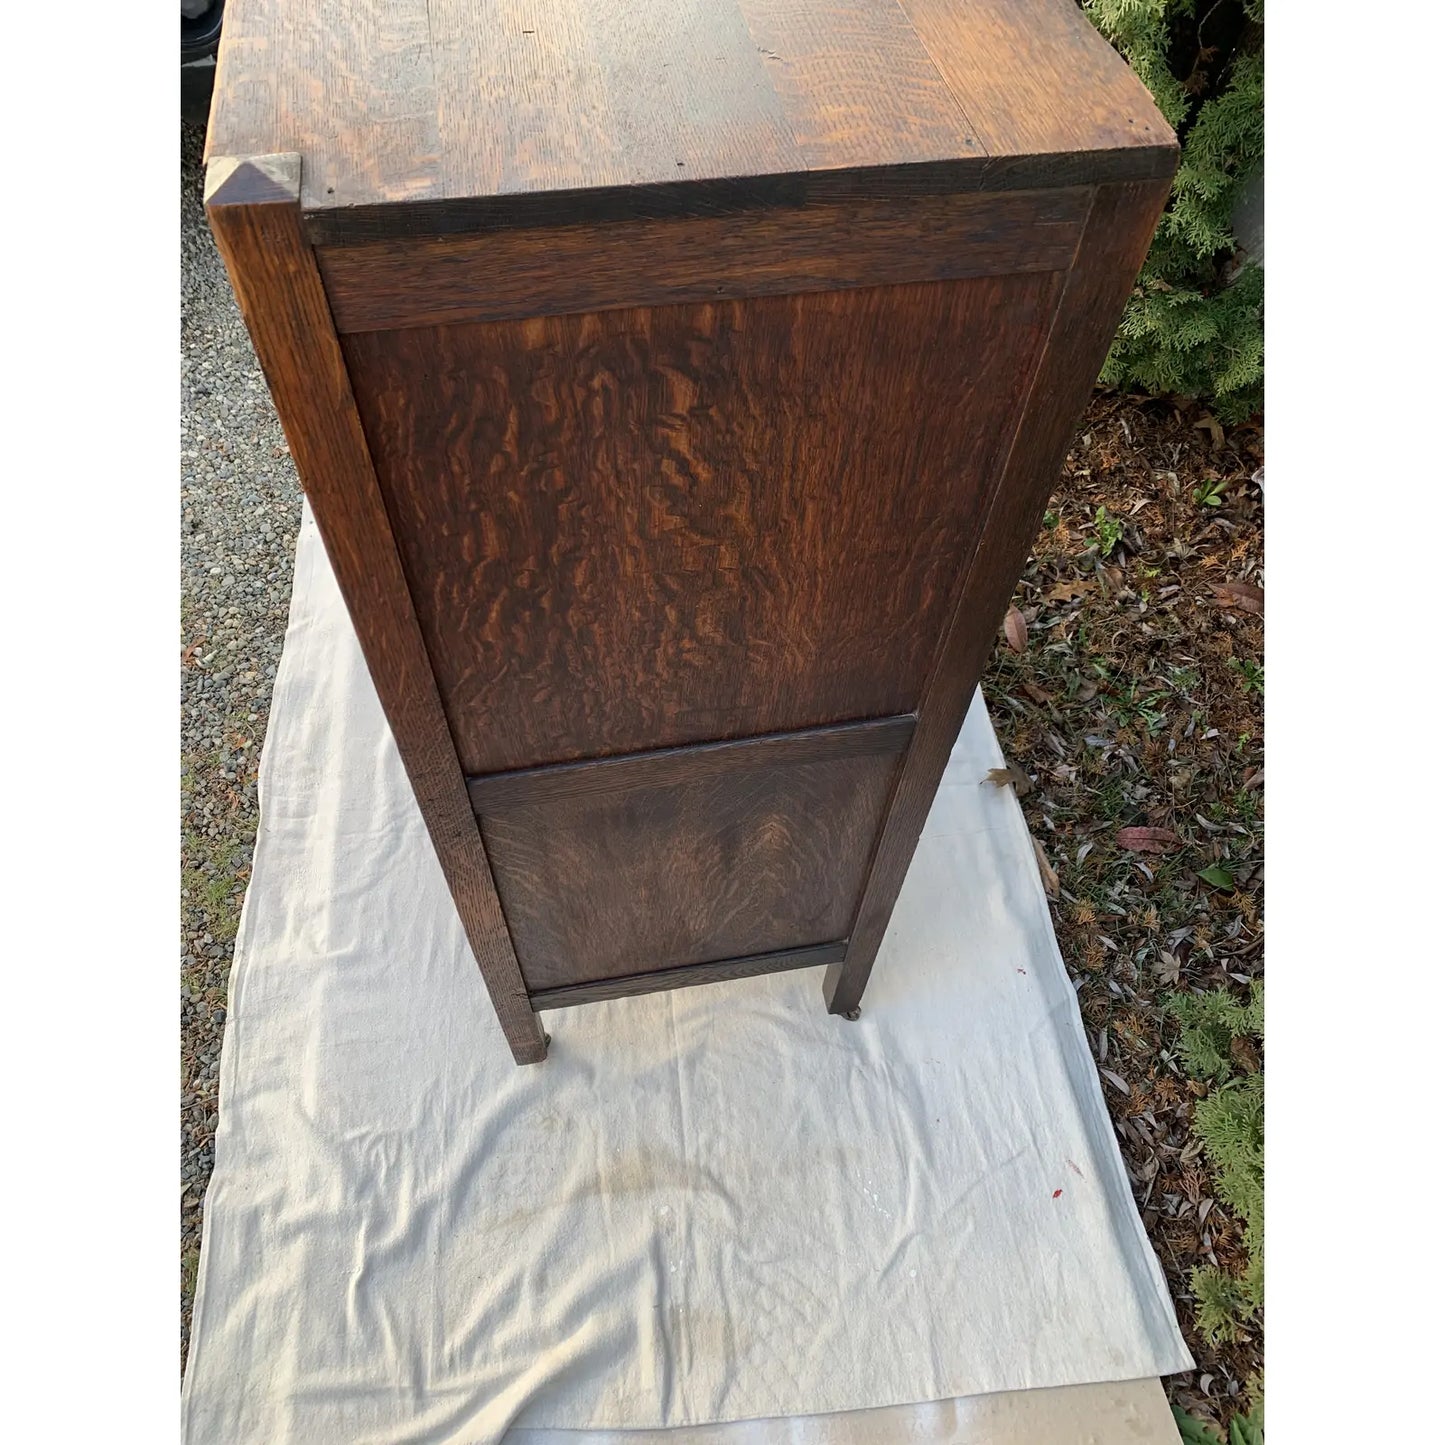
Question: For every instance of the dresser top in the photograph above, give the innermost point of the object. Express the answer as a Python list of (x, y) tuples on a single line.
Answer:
[(436, 115)]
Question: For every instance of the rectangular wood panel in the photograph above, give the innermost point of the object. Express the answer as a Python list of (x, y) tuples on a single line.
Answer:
[(646, 528), (668, 767), (440, 280), (759, 848), (724, 971)]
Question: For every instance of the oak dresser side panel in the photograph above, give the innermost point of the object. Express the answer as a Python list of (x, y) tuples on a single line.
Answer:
[(651, 527), (626, 866)]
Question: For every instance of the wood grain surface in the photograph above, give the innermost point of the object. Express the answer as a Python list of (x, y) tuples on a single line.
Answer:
[(723, 971), (1038, 81), (760, 849), (856, 84), (667, 767), (704, 368), (639, 529), (1116, 238), (417, 115), (494, 276), (254, 212)]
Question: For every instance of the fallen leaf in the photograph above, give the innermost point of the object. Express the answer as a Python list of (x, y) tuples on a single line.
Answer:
[(1147, 840), (1245, 1054), (188, 653), (1254, 780), (1216, 432), (1243, 595), (1067, 591), (1015, 629), (1218, 878), (1038, 695), (1002, 777), (1046, 872), (1088, 691), (1114, 1079)]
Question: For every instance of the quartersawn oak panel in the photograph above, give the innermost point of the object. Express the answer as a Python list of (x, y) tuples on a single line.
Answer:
[(502, 275), (644, 528), (761, 849)]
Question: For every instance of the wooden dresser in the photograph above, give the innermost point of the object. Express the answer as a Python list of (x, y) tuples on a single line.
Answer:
[(678, 386)]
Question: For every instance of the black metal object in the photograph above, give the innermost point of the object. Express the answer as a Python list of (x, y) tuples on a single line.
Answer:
[(201, 34)]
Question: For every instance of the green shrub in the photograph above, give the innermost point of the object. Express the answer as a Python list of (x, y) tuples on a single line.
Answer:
[(1209, 1023), (1219, 1039), (1195, 323), (1243, 1429)]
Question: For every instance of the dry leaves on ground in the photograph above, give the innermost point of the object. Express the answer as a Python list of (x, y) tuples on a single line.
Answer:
[(1015, 629), (1132, 698)]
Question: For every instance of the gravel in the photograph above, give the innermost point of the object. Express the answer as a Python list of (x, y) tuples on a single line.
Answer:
[(240, 507)]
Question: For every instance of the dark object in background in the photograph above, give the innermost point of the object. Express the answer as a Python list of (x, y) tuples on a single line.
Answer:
[(677, 445), (200, 39)]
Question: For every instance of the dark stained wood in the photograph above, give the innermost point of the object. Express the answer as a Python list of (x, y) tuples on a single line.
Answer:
[(668, 978), (761, 849), (857, 84), (433, 115), (512, 274), (348, 84), (727, 196), (577, 94), (1037, 80), (676, 385), (640, 529), (670, 767), (1116, 238), (254, 212)]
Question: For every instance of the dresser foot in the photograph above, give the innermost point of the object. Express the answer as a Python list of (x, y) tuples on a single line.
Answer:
[(529, 1041), (853, 1015)]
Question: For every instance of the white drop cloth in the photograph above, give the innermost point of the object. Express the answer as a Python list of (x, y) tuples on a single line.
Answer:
[(714, 1204)]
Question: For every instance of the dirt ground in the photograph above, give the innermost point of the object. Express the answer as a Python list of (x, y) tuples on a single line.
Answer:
[(1127, 690)]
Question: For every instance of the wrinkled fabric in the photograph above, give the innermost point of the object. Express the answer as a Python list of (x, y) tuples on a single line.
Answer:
[(712, 1204)]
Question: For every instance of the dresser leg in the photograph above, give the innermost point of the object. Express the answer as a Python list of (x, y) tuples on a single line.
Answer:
[(528, 1045), (843, 985)]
